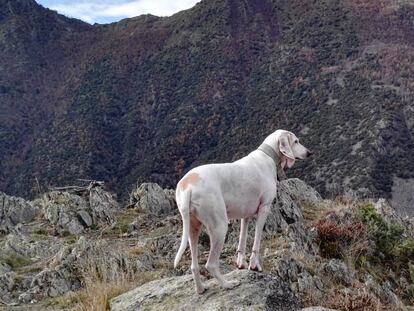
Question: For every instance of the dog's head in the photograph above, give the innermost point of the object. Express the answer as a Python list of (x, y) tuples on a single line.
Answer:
[(288, 147), (291, 149)]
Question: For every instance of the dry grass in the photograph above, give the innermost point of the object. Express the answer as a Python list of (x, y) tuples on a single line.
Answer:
[(98, 292), (357, 298), (314, 211)]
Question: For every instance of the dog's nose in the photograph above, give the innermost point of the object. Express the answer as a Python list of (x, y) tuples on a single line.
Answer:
[(309, 153)]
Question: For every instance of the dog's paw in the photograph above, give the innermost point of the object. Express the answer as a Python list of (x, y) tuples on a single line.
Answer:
[(242, 264), (255, 263), (255, 267), (200, 290)]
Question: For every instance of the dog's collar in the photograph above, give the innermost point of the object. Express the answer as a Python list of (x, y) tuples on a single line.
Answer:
[(269, 151)]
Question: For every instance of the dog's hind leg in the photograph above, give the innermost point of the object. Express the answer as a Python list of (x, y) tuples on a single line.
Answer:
[(217, 231), (195, 229)]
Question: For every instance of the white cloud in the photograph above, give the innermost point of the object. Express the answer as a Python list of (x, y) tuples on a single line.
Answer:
[(92, 11)]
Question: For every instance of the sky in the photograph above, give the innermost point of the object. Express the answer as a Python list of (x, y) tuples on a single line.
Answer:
[(108, 11)]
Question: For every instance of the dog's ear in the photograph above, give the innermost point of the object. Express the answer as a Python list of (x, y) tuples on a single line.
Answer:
[(286, 151)]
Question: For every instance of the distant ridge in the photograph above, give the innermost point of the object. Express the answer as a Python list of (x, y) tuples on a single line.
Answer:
[(147, 98)]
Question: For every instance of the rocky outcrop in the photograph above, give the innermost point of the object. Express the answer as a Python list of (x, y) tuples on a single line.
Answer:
[(297, 272), (256, 291), (152, 198), (14, 210), (25, 245), (102, 205), (287, 207), (75, 212), (338, 271), (7, 282), (67, 269), (51, 282)]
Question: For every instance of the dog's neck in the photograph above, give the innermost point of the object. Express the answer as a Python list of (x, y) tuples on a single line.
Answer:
[(269, 151)]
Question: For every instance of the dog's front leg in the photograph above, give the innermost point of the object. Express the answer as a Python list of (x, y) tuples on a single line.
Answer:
[(241, 249), (262, 213)]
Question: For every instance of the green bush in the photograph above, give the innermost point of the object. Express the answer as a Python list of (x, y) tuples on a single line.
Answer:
[(410, 292), (392, 242), (388, 236)]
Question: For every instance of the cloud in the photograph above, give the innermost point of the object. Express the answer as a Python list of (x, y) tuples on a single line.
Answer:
[(110, 10)]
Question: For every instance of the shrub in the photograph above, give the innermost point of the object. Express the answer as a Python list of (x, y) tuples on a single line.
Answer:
[(336, 240), (386, 235), (393, 243), (410, 290)]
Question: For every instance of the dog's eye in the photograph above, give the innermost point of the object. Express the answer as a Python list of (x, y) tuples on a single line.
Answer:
[(296, 141)]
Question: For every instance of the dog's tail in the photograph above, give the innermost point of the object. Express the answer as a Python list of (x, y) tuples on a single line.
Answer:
[(184, 208)]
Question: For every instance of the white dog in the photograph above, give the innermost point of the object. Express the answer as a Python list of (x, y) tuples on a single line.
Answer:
[(212, 194)]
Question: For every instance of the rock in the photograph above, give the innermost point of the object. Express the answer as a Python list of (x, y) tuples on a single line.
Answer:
[(285, 266), (54, 282), (310, 285), (152, 198), (134, 226), (384, 292), (286, 208), (61, 210), (170, 193), (338, 271), (14, 210), (256, 291), (75, 212), (102, 205), (301, 238), (299, 190), (85, 218), (24, 245), (86, 258), (7, 282), (4, 267)]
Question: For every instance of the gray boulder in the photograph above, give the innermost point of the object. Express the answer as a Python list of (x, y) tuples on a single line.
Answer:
[(14, 210), (64, 210), (102, 205), (256, 291), (26, 246), (7, 282), (287, 206), (4, 267), (75, 212), (152, 198), (338, 271), (53, 282)]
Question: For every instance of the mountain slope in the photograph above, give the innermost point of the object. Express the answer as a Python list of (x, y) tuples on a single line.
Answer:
[(148, 98)]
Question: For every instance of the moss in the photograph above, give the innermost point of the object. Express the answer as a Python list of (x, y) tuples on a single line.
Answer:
[(15, 261), (71, 239), (94, 227), (41, 231)]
